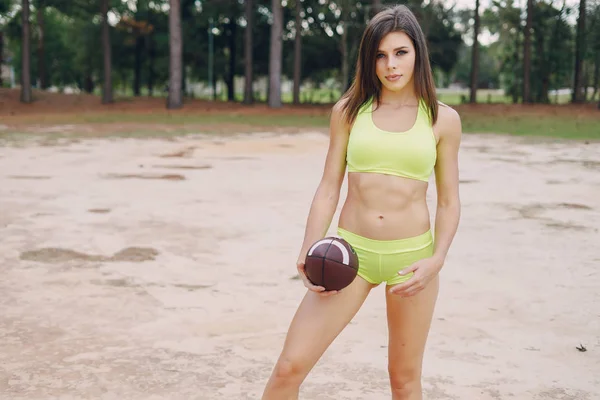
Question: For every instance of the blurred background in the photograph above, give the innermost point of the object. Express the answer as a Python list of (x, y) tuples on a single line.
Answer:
[(157, 163), (297, 52)]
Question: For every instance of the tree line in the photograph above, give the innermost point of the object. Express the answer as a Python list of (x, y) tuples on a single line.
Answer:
[(162, 45)]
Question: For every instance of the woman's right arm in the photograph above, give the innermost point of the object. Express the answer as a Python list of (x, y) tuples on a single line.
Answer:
[(327, 195)]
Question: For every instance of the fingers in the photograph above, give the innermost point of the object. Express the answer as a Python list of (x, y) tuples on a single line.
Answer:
[(329, 293), (307, 283), (314, 288), (408, 288), (412, 285), (409, 269)]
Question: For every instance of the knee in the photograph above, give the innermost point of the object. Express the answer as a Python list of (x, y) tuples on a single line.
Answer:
[(405, 382), (288, 371)]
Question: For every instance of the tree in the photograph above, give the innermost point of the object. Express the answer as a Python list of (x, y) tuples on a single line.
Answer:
[(475, 55), (231, 29), (248, 52), (298, 52), (25, 55), (551, 61), (488, 74), (504, 19), (594, 45), (443, 39), (5, 6), (577, 96), (275, 55), (527, 54), (135, 30), (41, 50), (345, 4), (175, 60), (107, 90)]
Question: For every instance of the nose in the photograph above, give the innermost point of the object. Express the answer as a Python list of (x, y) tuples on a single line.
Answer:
[(391, 63)]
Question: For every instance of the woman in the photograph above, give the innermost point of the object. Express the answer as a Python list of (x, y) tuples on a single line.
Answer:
[(392, 134)]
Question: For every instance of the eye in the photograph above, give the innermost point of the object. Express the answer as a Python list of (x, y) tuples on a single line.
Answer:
[(401, 52), (380, 55)]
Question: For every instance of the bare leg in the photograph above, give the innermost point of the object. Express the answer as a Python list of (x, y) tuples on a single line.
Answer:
[(409, 320), (317, 322)]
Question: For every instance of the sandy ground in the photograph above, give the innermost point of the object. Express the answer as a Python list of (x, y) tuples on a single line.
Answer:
[(155, 269)]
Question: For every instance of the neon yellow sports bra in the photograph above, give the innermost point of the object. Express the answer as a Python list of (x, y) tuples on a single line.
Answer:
[(410, 154)]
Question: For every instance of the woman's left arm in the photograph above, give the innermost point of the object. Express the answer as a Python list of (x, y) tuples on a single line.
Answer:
[(446, 176), (448, 205)]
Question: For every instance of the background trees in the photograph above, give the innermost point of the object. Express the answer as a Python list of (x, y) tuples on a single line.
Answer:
[(290, 50)]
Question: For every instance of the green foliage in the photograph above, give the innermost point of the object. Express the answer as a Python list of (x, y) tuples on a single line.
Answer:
[(140, 41), (5, 6), (504, 19), (551, 47), (552, 50), (444, 40), (489, 67)]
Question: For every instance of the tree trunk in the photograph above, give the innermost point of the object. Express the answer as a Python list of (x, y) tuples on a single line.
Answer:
[(137, 68), (107, 89), (151, 53), (151, 57), (527, 54), (554, 39), (475, 56), (88, 81), (586, 81), (214, 89), (1, 56), (596, 75), (579, 52), (175, 99), (41, 47), (275, 55), (543, 78), (248, 56), (298, 53), (183, 71), (25, 56), (232, 58), (515, 86), (344, 44)]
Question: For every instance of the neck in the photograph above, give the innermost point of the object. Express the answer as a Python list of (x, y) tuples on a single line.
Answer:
[(404, 97)]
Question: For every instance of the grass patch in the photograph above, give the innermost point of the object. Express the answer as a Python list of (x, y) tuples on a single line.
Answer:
[(491, 97), (534, 125), (538, 123)]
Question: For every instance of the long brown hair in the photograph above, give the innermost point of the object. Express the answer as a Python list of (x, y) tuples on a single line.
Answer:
[(366, 84)]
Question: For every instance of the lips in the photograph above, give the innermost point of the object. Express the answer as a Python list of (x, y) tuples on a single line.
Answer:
[(393, 77)]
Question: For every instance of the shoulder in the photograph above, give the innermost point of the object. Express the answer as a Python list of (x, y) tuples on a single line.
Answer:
[(447, 114), (339, 106), (339, 113), (448, 121)]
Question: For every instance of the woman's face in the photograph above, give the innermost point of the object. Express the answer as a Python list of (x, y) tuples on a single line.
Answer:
[(395, 61)]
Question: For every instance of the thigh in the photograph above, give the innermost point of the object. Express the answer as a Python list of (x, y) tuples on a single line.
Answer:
[(318, 321), (409, 320)]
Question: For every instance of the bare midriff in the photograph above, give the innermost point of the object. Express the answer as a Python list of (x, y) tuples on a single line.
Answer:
[(385, 207)]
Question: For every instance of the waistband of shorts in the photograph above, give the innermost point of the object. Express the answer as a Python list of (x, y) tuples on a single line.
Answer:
[(387, 246)]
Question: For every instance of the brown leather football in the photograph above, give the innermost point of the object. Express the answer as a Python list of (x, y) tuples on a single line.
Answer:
[(332, 263)]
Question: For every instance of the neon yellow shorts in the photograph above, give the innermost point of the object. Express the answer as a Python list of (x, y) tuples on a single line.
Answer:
[(381, 260)]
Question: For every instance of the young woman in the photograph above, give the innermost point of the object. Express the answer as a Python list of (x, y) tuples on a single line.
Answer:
[(391, 133)]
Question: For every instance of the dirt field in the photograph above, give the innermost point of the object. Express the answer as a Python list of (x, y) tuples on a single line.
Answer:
[(164, 269)]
